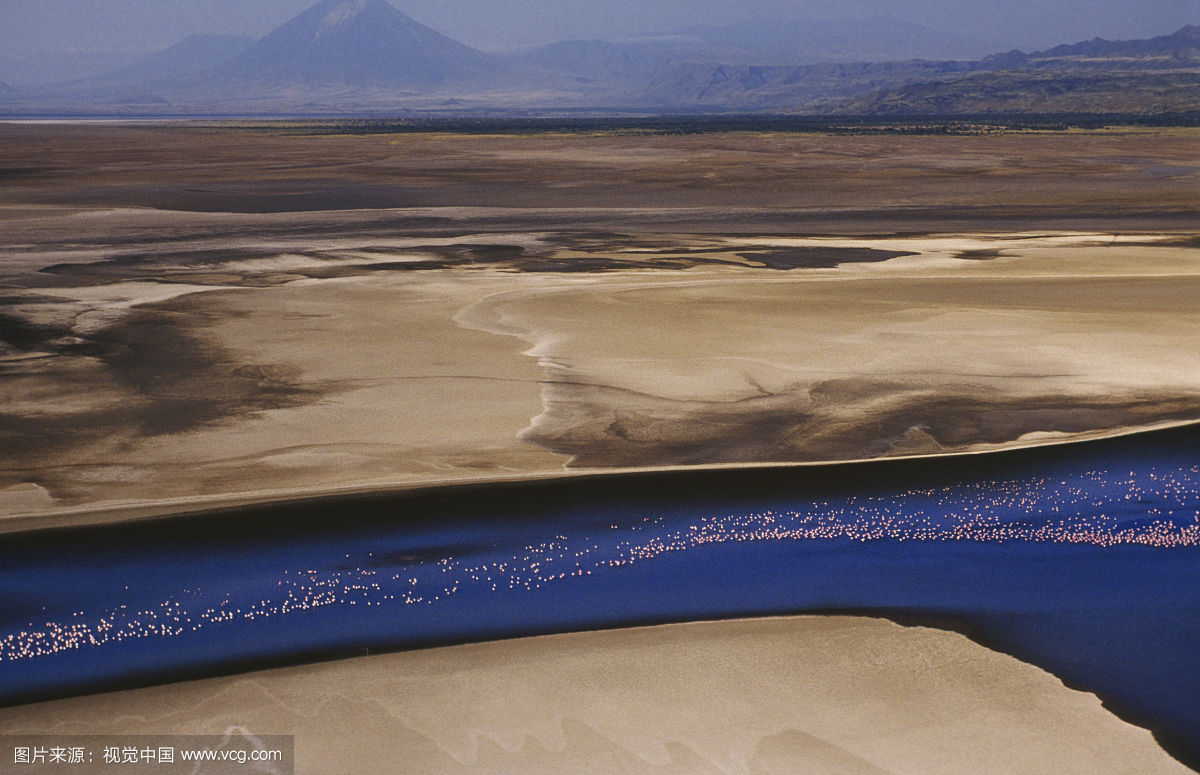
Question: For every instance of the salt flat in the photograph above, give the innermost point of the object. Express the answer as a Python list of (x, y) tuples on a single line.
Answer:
[(839, 694), (193, 376), (204, 314)]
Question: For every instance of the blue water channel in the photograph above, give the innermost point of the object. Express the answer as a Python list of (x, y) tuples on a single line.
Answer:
[(1083, 559)]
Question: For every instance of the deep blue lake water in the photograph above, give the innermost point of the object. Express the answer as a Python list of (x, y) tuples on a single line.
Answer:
[(1082, 559)]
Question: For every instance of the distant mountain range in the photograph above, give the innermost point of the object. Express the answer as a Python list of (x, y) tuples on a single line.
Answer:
[(193, 54), (42, 69), (1157, 75), (816, 41), (348, 56), (1182, 46), (761, 42), (1035, 92)]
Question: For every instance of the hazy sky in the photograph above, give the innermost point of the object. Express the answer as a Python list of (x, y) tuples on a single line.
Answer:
[(28, 26)]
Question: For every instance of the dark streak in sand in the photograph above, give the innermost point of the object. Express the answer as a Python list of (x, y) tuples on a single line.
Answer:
[(985, 254), (175, 382), (819, 257), (516, 258), (187, 381), (601, 426), (23, 335)]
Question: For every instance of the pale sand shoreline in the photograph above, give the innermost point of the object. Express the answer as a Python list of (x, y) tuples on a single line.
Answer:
[(175, 356), (414, 419), (813, 694), (408, 381)]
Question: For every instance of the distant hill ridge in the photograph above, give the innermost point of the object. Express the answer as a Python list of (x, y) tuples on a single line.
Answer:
[(173, 65), (1140, 76), (194, 53), (1155, 75), (1183, 43), (818, 40)]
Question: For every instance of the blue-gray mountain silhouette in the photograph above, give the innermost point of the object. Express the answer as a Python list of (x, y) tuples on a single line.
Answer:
[(361, 43), (350, 55), (1181, 44), (193, 54)]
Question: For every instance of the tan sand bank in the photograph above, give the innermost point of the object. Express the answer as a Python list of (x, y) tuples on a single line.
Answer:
[(197, 317), (289, 384), (813, 695)]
